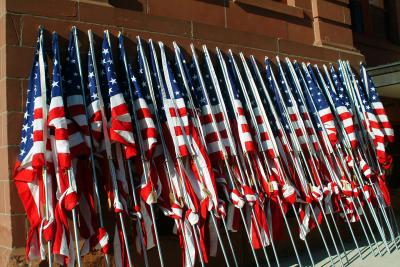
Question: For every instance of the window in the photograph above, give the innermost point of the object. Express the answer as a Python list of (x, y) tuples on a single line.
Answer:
[(357, 18), (377, 3)]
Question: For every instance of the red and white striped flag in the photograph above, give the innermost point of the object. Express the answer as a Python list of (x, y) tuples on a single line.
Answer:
[(376, 104)]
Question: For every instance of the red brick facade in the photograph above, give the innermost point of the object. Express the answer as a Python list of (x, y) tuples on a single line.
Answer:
[(308, 30)]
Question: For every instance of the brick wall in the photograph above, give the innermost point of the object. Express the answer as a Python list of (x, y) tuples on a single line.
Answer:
[(308, 30)]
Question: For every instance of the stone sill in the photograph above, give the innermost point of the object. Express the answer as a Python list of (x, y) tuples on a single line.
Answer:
[(280, 8)]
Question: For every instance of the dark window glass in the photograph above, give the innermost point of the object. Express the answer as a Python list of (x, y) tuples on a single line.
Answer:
[(356, 16)]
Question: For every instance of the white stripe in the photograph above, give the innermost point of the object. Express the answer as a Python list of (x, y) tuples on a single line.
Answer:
[(74, 100), (62, 146)]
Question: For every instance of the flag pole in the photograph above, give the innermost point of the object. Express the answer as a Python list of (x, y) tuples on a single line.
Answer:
[(231, 141), (44, 108), (296, 159), (144, 165), (71, 181), (244, 153), (313, 152), (255, 126), (329, 149), (239, 155), (358, 116), (131, 180), (347, 147), (220, 144), (270, 134), (179, 222), (92, 158), (280, 126), (355, 165), (187, 141), (344, 165), (106, 140), (366, 85), (179, 57), (304, 132), (377, 165), (113, 170)]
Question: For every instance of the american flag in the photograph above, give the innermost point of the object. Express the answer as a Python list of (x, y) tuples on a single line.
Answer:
[(374, 130), (31, 159), (201, 157), (176, 140), (340, 91), (32, 148), (175, 111), (272, 87), (215, 106), (56, 116), (77, 123), (237, 112), (292, 109), (344, 115), (142, 110), (121, 130), (376, 104), (207, 111), (303, 108), (262, 125), (322, 106), (93, 104)]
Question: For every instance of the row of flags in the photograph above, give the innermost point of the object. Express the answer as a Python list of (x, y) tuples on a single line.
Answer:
[(210, 142)]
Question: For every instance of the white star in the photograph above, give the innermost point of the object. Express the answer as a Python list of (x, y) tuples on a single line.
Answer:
[(22, 152), (105, 51), (23, 139), (113, 81), (110, 90), (54, 84), (91, 75), (94, 96), (26, 114), (25, 127), (55, 62), (133, 79)]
